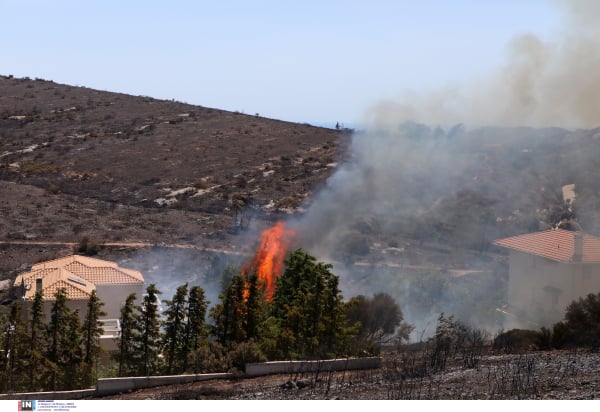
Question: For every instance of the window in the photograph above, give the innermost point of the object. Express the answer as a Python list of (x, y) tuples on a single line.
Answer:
[(551, 295)]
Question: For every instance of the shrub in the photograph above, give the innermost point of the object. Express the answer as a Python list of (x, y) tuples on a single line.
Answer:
[(53, 189), (581, 326), (37, 168), (246, 352), (379, 320), (210, 358), (544, 340), (88, 247), (516, 340), (353, 245)]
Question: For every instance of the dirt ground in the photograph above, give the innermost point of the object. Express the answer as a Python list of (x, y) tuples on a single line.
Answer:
[(544, 375)]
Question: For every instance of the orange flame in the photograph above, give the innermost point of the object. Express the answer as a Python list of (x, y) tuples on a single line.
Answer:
[(268, 260)]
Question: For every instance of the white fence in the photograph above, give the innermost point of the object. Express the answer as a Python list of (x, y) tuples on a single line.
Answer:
[(110, 386), (270, 368)]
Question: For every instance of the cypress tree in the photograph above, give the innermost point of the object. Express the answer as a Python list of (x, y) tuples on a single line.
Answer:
[(195, 327), (37, 342), (64, 353), (92, 330), (71, 353), (59, 318), (175, 329), (15, 348), (148, 332), (128, 321)]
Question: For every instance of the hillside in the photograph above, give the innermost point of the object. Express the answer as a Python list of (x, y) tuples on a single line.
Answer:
[(179, 191), (77, 162)]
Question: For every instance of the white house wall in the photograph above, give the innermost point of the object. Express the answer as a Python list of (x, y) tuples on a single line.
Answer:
[(114, 297), (540, 289)]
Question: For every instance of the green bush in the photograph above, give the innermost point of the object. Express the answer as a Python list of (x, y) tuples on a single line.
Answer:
[(581, 326), (210, 358), (246, 352)]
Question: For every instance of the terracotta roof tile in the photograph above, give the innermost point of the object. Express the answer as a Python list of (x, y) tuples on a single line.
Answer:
[(52, 280), (78, 274), (93, 270), (105, 275), (555, 244)]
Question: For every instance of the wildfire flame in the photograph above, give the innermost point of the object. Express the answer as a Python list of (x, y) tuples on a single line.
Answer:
[(268, 260)]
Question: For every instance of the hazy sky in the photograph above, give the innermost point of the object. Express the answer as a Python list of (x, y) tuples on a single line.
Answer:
[(304, 61)]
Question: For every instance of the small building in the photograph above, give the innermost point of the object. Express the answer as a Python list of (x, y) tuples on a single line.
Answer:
[(547, 271), (79, 276)]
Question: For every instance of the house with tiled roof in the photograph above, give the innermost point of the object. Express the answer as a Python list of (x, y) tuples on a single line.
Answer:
[(547, 271), (79, 276)]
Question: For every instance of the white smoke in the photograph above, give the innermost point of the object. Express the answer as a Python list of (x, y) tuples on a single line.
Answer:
[(401, 171), (542, 84)]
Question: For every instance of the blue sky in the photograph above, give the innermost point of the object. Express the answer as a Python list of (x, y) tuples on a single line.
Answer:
[(305, 61)]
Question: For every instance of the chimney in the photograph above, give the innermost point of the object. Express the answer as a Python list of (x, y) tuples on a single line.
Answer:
[(38, 285), (578, 247)]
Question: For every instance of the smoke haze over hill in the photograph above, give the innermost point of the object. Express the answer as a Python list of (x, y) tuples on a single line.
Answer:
[(409, 182), (544, 83)]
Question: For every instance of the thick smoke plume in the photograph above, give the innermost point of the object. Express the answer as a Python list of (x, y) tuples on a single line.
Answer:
[(408, 187), (372, 212), (543, 84)]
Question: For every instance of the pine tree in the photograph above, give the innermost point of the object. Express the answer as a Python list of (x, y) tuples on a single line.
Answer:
[(333, 330), (254, 308), (229, 315), (308, 308), (128, 321), (148, 333), (174, 326), (92, 330), (290, 304)]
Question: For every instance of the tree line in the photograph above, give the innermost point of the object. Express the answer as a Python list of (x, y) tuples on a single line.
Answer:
[(57, 354), (307, 318)]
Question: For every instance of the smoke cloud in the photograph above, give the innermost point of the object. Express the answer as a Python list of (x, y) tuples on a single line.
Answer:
[(411, 188), (542, 84)]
